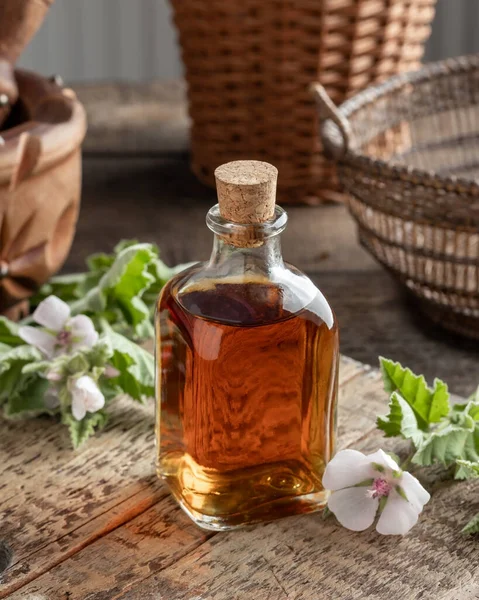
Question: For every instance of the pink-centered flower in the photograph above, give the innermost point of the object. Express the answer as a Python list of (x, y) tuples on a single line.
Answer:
[(86, 397), (59, 332), (363, 484)]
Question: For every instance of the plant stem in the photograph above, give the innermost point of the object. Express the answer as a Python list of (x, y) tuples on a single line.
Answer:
[(407, 461)]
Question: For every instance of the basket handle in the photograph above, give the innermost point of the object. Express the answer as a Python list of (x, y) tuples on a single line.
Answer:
[(329, 110)]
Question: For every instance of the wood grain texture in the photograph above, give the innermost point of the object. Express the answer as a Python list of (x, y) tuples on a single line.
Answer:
[(55, 500), (57, 504), (155, 552)]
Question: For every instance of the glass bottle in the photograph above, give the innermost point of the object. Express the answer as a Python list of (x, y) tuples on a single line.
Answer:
[(247, 367)]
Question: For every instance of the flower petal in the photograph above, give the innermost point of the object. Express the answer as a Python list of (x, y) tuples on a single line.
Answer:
[(398, 516), (78, 407), (90, 393), (414, 491), (40, 339), (380, 457), (52, 313), (353, 508), (346, 469), (83, 331)]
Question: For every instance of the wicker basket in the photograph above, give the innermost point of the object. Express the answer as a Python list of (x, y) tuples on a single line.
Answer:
[(249, 65), (408, 154)]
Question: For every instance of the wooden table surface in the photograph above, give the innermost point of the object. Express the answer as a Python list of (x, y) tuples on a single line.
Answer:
[(96, 524)]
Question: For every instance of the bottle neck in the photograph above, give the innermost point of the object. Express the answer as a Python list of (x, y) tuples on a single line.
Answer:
[(246, 248), (259, 258)]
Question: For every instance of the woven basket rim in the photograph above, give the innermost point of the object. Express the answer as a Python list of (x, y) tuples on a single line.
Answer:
[(428, 178)]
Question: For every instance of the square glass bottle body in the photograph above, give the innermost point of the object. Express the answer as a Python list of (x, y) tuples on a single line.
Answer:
[(246, 388)]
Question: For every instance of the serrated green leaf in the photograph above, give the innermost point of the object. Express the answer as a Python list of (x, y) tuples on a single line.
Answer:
[(473, 409), (401, 421), (109, 389), (9, 333), (63, 286), (429, 405), (4, 348), (122, 285), (136, 366), (467, 469), (100, 262), (472, 526), (162, 274), (144, 330), (12, 378), (29, 399), (80, 431), (448, 444)]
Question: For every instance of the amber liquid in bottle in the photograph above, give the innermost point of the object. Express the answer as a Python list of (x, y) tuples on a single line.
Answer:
[(247, 393)]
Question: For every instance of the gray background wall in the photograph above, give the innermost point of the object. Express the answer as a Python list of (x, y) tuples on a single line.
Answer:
[(86, 40)]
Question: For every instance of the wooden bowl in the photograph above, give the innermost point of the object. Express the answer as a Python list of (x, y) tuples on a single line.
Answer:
[(40, 182)]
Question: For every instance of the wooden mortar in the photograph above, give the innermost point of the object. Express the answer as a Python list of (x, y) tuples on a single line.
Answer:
[(40, 182), (20, 19)]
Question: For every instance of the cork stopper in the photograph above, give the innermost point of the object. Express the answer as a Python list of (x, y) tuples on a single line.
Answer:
[(246, 191)]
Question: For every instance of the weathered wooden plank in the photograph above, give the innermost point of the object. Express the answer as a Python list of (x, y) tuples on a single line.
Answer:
[(55, 500), (357, 389), (307, 558), (83, 495), (310, 557), (148, 543)]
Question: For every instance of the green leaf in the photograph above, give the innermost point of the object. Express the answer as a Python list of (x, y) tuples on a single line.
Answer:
[(9, 333), (401, 421), (63, 286), (429, 405), (448, 444), (100, 262), (109, 389), (29, 399), (136, 366), (467, 469), (122, 244), (472, 526), (122, 285), (4, 348), (80, 431), (326, 513), (12, 378)]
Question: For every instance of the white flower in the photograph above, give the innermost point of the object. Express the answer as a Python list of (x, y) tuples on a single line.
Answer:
[(361, 484), (60, 333), (86, 397)]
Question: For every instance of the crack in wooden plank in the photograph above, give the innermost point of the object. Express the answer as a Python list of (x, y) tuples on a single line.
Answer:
[(271, 570), (115, 524), (361, 371), (208, 536)]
